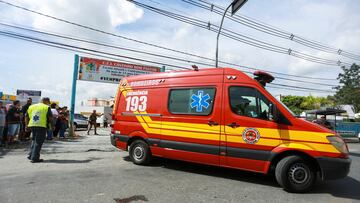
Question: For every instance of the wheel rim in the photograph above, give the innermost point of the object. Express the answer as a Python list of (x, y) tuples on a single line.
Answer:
[(298, 173), (138, 153)]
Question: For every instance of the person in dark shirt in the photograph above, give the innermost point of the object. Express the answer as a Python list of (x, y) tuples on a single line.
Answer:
[(24, 135), (63, 121), (323, 122), (26, 106), (2, 123), (105, 121), (13, 120), (92, 122)]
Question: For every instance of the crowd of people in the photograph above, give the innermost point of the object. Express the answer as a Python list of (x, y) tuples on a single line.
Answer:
[(13, 127), (37, 122)]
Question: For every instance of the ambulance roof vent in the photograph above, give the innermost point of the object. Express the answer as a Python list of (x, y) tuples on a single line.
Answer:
[(263, 77), (195, 67)]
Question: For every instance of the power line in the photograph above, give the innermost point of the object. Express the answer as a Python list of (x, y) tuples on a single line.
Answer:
[(150, 44), (73, 48), (168, 6), (142, 52), (294, 89), (58, 45), (106, 45), (304, 88), (257, 25), (241, 38)]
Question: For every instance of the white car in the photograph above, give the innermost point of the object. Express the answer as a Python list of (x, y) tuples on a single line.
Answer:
[(80, 121)]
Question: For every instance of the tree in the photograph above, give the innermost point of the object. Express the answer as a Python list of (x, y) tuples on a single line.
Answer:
[(348, 92), (293, 103), (298, 104)]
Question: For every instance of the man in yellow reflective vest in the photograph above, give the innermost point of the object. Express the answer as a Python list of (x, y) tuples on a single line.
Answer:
[(38, 119)]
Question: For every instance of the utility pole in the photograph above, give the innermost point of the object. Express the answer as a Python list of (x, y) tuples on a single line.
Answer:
[(73, 94), (236, 5)]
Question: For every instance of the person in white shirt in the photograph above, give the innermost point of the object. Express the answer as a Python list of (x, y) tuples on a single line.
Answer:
[(55, 113)]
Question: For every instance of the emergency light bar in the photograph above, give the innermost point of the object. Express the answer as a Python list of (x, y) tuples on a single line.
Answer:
[(263, 77)]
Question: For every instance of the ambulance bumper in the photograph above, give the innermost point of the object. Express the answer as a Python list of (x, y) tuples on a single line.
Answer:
[(119, 141), (334, 168), (112, 140)]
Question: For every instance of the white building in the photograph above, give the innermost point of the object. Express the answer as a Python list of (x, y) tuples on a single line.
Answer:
[(103, 108)]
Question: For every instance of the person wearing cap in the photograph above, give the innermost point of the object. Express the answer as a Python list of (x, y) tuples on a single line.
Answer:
[(38, 119)]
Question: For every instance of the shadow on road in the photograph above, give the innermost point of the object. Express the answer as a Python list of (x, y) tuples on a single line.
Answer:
[(131, 199), (354, 154), (47, 145), (9, 148), (67, 139), (342, 188), (3, 152), (70, 161), (220, 172)]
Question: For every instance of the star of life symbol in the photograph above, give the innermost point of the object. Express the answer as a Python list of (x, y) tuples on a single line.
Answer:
[(199, 101), (36, 118)]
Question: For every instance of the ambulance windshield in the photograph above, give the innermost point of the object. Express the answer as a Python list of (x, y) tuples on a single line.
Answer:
[(287, 108)]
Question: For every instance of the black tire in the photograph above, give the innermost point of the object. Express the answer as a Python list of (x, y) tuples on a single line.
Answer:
[(75, 126), (295, 174), (140, 153)]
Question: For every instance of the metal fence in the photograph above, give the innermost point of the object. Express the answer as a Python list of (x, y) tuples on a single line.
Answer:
[(348, 129)]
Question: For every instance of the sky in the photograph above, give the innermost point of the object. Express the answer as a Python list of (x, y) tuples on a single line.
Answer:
[(25, 65)]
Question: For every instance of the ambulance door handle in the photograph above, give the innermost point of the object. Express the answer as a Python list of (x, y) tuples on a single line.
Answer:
[(212, 123), (233, 125)]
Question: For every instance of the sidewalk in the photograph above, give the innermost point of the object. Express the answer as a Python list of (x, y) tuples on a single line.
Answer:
[(69, 150)]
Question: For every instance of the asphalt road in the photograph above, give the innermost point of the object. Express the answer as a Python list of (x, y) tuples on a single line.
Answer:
[(89, 169)]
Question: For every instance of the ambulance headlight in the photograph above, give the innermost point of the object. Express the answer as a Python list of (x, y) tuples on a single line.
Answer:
[(338, 143)]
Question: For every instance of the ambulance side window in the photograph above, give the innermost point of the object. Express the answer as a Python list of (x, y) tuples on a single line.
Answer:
[(246, 101), (192, 101)]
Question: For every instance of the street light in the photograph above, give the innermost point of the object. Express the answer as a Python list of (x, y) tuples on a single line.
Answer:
[(236, 5)]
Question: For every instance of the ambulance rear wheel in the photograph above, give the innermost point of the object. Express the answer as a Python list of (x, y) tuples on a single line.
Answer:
[(140, 153), (295, 174)]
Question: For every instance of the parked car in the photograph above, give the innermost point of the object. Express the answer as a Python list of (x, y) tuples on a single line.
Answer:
[(80, 121)]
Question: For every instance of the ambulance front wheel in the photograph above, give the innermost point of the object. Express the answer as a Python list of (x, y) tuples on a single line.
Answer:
[(140, 153), (295, 174)]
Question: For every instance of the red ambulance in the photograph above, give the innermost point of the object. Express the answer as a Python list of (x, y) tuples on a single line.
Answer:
[(222, 117)]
